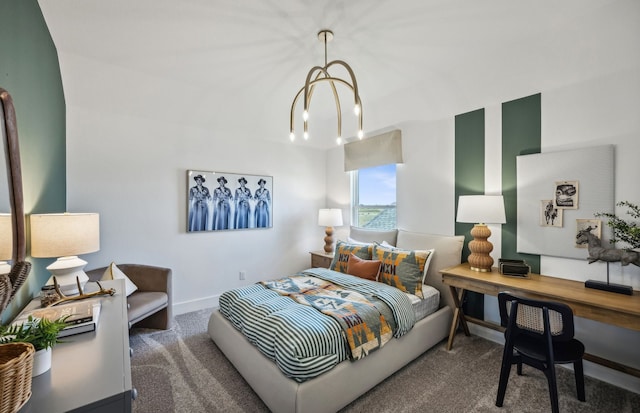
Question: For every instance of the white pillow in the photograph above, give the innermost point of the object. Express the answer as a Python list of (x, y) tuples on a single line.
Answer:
[(114, 273)]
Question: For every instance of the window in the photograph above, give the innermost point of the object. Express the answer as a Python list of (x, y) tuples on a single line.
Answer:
[(373, 197)]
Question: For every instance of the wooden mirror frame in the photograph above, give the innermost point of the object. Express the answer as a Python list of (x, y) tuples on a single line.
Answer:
[(10, 283)]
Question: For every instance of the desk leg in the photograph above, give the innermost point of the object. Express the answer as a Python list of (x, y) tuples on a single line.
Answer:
[(458, 315)]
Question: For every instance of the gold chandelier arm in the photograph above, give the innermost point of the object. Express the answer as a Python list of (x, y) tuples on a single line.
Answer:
[(354, 82)]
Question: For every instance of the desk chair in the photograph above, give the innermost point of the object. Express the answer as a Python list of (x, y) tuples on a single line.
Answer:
[(539, 334)]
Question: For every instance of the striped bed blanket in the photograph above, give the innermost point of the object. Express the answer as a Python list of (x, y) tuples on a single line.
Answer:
[(309, 322)]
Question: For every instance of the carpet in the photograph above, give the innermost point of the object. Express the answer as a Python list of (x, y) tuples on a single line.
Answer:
[(182, 370)]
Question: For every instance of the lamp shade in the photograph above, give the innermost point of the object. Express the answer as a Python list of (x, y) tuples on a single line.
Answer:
[(6, 237), (486, 209), (62, 235), (330, 217)]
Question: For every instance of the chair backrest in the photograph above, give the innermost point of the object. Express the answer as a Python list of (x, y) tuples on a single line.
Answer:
[(535, 317)]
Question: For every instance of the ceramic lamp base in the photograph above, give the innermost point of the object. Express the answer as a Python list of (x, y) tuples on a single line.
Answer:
[(480, 260), (328, 240)]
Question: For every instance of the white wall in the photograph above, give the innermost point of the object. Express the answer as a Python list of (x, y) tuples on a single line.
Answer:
[(133, 172)]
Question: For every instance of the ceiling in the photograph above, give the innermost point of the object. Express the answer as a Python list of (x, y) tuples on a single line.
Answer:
[(234, 66)]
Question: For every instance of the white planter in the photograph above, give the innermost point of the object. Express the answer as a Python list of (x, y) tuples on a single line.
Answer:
[(41, 362)]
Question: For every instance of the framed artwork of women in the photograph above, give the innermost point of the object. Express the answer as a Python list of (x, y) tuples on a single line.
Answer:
[(222, 201)]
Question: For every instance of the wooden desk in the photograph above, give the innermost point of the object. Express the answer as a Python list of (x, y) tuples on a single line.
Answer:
[(616, 309)]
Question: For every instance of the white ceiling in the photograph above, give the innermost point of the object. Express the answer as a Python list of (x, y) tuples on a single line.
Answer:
[(235, 65)]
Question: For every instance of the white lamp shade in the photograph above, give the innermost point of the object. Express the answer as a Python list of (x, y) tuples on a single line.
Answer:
[(6, 237), (330, 217), (63, 235), (485, 209)]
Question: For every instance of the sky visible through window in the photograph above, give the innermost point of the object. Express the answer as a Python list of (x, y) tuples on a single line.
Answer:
[(377, 185)]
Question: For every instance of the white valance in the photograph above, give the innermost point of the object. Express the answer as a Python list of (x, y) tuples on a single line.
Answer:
[(374, 151)]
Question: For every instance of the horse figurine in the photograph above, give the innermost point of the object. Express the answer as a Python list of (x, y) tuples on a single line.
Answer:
[(598, 253)]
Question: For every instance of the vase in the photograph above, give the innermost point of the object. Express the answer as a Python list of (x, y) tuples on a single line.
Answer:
[(41, 362)]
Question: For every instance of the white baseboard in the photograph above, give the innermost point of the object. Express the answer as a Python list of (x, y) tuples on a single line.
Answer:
[(196, 305), (597, 371)]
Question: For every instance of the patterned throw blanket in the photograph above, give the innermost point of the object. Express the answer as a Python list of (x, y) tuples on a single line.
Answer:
[(365, 328)]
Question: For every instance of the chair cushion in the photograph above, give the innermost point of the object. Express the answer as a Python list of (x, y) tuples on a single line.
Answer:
[(145, 303)]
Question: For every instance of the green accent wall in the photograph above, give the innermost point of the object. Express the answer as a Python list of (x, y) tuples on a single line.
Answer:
[(30, 71), (469, 180), (521, 135)]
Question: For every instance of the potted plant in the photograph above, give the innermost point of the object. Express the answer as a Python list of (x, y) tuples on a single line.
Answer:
[(42, 333), (624, 231)]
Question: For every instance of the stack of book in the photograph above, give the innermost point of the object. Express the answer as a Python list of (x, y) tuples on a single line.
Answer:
[(83, 316)]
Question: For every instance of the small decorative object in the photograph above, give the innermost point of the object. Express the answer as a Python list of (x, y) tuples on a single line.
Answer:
[(550, 215), (16, 367), (481, 210), (81, 295), (592, 226), (239, 201), (329, 218), (566, 195), (41, 333), (48, 295), (624, 231), (599, 253), (514, 268)]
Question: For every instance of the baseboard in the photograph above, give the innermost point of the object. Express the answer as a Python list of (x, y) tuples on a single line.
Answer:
[(597, 371), (196, 305)]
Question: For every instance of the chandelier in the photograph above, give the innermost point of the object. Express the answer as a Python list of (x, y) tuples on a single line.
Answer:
[(319, 74)]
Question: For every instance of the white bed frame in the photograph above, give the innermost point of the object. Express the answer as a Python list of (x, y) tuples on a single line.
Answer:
[(348, 380)]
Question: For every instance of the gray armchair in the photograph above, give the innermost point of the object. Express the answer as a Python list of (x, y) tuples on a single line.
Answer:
[(150, 306)]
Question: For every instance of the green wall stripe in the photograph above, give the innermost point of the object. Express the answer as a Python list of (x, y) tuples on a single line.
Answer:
[(521, 135), (469, 180), (30, 72)]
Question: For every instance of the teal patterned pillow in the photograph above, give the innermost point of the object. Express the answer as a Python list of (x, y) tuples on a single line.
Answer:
[(344, 249), (403, 269)]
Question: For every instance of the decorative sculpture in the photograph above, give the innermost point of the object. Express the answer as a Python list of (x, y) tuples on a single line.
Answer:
[(82, 295), (598, 253)]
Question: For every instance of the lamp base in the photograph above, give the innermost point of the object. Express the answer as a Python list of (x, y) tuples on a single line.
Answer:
[(480, 260), (613, 288), (69, 271), (328, 240)]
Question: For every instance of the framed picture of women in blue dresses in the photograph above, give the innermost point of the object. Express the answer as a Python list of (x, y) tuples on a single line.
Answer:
[(222, 201)]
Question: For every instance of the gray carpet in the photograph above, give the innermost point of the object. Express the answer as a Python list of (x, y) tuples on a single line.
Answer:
[(182, 370)]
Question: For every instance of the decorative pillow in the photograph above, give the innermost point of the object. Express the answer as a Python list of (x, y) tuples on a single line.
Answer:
[(403, 269), (344, 249), (114, 273), (367, 269)]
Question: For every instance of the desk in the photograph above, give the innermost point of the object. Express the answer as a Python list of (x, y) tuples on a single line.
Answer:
[(90, 372), (616, 309)]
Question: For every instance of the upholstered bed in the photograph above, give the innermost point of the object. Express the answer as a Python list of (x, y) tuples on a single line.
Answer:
[(345, 382)]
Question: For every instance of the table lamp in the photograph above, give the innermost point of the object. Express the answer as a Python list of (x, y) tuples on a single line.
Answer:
[(65, 236), (6, 243), (481, 210), (329, 218)]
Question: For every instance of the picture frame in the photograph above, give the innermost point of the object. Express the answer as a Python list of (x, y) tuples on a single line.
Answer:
[(550, 215), (224, 201), (593, 225), (566, 194)]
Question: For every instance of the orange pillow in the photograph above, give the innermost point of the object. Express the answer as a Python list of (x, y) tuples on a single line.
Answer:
[(366, 269)]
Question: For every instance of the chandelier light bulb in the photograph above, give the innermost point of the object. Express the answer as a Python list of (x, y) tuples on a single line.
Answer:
[(305, 115), (360, 134), (292, 136), (356, 109), (338, 140), (306, 135)]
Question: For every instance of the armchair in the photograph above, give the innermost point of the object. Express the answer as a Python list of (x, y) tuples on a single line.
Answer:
[(150, 306)]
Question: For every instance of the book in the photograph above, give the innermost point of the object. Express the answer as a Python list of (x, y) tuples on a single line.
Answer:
[(78, 312), (83, 316), (85, 327)]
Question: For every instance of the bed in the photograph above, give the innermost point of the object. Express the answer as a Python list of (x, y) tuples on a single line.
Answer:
[(349, 379)]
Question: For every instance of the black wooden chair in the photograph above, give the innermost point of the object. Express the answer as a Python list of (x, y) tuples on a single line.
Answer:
[(539, 334)]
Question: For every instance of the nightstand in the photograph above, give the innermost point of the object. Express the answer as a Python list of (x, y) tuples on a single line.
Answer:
[(321, 259)]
